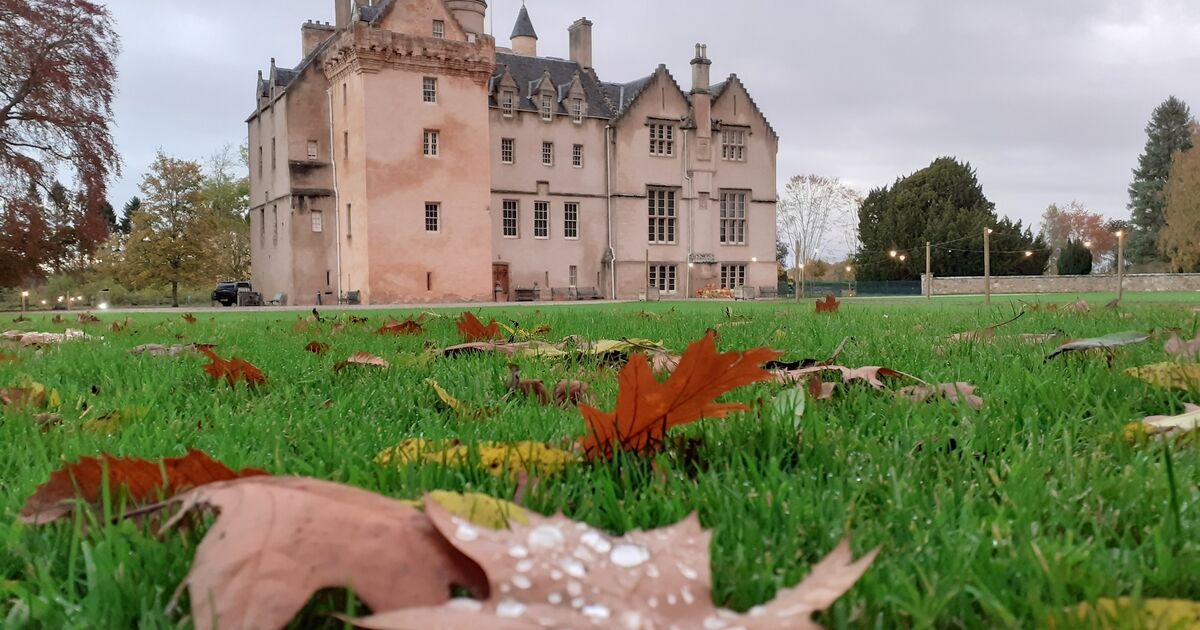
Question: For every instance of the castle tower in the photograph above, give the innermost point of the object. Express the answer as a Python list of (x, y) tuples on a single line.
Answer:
[(470, 15), (524, 38)]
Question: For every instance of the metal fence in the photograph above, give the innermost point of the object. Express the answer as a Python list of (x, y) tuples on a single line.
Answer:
[(844, 289)]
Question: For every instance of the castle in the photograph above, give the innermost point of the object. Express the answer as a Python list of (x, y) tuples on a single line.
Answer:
[(408, 159)]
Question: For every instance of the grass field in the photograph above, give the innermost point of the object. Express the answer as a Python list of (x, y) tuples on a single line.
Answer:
[(994, 518)]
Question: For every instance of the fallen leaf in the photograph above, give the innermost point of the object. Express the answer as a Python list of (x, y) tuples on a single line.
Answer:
[(1164, 426), (1113, 304), (829, 305), (120, 326), (1185, 376), (143, 481), (473, 330), (533, 388), (189, 318), (159, 350), (316, 347), (303, 324), (646, 408), (480, 509), (789, 404), (1177, 347), (1124, 612), (409, 326), (87, 318), (9, 358), (574, 393), (57, 319), (108, 423), (953, 392), (982, 333), (872, 375), (497, 458), (30, 394), (557, 573), (231, 371), (1078, 306), (457, 406), (531, 348), (806, 363), (1106, 343), (21, 319), (278, 540), (361, 358), (47, 421)]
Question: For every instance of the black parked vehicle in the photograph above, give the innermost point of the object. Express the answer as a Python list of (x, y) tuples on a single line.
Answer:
[(227, 292)]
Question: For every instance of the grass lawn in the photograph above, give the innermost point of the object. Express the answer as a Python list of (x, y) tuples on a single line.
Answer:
[(993, 518)]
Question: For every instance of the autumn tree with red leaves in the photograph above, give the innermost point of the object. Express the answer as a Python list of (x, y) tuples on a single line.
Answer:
[(57, 82)]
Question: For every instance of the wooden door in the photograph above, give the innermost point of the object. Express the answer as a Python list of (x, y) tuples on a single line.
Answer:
[(500, 281)]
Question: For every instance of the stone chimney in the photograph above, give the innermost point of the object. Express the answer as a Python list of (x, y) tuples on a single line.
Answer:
[(581, 42), (469, 13), (343, 10), (313, 34), (524, 38), (701, 95)]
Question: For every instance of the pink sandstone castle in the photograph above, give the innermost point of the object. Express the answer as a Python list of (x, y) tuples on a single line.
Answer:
[(408, 159)]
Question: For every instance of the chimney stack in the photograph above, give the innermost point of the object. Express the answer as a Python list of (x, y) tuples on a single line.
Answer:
[(581, 42), (701, 95), (313, 34), (342, 11)]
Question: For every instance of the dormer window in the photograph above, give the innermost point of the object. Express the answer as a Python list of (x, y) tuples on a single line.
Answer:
[(439, 29), (547, 107), (508, 103), (577, 110)]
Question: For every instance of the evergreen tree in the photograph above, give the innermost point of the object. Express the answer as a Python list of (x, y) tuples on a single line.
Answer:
[(125, 226), (1168, 132), (1076, 259), (940, 203)]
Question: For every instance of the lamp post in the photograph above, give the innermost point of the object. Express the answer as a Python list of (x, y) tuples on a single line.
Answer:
[(1120, 264), (987, 265), (24, 301), (928, 270)]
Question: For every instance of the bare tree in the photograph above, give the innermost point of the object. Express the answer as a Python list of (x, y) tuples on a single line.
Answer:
[(810, 206), (57, 82)]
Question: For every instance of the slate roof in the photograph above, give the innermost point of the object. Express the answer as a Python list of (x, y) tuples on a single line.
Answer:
[(527, 71), (622, 94), (524, 26)]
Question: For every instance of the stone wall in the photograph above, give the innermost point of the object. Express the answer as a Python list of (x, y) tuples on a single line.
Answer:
[(1138, 282)]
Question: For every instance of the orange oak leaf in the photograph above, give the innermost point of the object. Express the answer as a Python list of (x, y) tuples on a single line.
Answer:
[(233, 370), (409, 326), (143, 481), (316, 347), (473, 330), (646, 408), (829, 305)]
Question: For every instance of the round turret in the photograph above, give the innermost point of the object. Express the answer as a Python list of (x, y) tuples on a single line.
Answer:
[(469, 13)]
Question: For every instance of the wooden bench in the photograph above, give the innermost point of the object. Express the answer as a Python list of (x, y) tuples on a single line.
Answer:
[(525, 295), (280, 299), (587, 293), (351, 297), (561, 294), (768, 293)]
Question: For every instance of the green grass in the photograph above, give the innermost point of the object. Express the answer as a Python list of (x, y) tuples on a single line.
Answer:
[(996, 518)]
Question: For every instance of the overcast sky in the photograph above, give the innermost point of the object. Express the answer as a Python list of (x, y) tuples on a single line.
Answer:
[(1048, 99)]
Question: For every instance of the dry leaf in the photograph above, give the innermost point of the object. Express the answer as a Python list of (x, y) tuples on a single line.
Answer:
[(534, 388), (189, 318), (953, 392), (557, 573), (316, 347), (806, 363), (829, 305), (1164, 426), (142, 480), (361, 358), (159, 350), (57, 319), (456, 405), (119, 326), (1185, 376), (278, 540), (531, 348), (496, 458), (646, 408), (1123, 612), (1106, 343), (473, 330), (575, 393), (231, 371), (44, 339), (872, 375), (109, 423), (409, 326), (87, 318), (30, 394), (1177, 347)]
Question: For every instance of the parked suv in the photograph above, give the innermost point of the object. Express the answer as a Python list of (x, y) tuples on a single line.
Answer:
[(227, 292)]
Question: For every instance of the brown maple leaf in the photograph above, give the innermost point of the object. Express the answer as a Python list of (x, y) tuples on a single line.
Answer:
[(572, 393), (473, 330), (316, 347), (556, 573), (233, 370), (142, 481), (646, 408), (360, 358), (278, 540), (829, 305), (534, 388), (189, 318), (409, 326)]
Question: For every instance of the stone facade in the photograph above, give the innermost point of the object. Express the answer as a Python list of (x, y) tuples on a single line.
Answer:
[(1137, 282), (409, 159)]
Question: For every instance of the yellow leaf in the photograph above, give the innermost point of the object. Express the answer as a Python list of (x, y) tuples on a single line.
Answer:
[(481, 509), (1151, 614), (497, 458), (1185, 376), (1185, 423), (108, 423), (456, 405)]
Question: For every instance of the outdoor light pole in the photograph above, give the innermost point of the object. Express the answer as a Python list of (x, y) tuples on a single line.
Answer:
[(24, 301), (987, 265), (1120, 264), (799, 269), (928, 271)]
